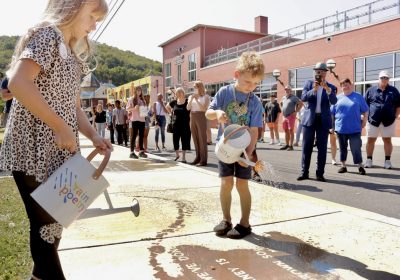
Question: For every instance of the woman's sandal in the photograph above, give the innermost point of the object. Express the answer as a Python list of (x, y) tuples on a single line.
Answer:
[(238, 232)]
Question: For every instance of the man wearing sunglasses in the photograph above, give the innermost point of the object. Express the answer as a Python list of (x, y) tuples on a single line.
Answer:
[(384, 107)]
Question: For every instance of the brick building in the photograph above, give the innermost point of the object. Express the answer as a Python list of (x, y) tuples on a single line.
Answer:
[(363, 41)]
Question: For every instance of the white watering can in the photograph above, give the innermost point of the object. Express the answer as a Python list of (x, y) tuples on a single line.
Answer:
[(232, 143)]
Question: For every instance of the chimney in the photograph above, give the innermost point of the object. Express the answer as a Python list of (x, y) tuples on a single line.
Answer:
[(261, 25)]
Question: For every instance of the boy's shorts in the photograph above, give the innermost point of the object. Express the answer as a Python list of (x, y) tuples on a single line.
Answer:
[(234, 169)]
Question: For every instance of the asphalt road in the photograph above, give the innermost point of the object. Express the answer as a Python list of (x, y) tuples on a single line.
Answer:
[(378, 191)]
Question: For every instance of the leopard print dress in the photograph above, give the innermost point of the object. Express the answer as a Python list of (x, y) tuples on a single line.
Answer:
[(29, 144)]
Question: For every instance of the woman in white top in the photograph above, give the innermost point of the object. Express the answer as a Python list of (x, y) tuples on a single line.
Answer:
[(160, 112), (138, 109), (198, 104)]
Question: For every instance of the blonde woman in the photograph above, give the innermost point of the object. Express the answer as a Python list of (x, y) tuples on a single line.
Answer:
[(45, 76), (100, 120), (181, 121), (197, 104)]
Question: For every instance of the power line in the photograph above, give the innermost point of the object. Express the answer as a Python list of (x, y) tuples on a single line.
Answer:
[(123, 1), (105, 18)]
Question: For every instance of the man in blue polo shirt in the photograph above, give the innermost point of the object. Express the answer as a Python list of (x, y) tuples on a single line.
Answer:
[(384, 107)]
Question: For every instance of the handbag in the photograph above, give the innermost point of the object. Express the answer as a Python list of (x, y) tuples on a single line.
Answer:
[(170, 126), (70, 190), (143, 111)]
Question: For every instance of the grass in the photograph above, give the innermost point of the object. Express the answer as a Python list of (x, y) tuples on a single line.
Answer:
[(15, 259)]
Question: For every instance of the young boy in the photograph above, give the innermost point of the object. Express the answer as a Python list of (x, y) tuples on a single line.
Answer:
[(236, 104)]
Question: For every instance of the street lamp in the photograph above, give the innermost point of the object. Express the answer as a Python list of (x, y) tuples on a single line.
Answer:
[(276, 74), (331, 64)]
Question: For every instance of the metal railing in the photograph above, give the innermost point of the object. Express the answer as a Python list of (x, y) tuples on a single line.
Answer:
[(365, 14)]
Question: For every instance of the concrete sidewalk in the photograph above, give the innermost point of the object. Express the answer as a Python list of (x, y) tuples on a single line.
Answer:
[(294, 236)]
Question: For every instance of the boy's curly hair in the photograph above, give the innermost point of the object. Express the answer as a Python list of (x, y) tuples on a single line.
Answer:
[(251, 62)]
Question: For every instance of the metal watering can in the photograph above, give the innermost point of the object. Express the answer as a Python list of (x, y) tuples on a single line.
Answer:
[(233, 143)]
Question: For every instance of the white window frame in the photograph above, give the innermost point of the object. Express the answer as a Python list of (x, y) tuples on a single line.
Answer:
[(179, 74), (192, 57), (168, 79)]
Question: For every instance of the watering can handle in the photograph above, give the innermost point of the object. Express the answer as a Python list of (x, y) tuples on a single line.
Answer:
[(103, 164), (234, 131)]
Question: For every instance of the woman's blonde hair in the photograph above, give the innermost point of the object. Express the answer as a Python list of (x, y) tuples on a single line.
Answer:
[(200, 87), (99, 106), (251, 62), (62, 13), (180, 90)]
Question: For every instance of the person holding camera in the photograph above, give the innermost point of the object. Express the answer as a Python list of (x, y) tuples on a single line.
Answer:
[(316, 121)]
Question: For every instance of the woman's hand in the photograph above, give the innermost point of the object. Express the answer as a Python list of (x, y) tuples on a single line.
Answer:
[(65, 138), (103, 144)]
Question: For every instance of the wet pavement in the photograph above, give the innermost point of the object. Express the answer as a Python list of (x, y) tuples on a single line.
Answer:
[(294, 236)]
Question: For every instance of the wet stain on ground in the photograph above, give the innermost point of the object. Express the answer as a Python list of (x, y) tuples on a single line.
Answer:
[(184, 209), (277, 256)]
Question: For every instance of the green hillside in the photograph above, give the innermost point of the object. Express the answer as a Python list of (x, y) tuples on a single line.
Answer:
[(113, 64)]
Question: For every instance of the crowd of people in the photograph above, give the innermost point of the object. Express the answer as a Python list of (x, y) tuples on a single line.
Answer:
[(321, 113)]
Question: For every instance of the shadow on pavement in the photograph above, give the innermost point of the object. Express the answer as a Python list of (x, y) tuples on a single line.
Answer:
[(307, 258), (289, 186), (368, 185)]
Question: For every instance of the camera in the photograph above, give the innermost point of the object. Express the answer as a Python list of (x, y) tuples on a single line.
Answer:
[(318, 78)]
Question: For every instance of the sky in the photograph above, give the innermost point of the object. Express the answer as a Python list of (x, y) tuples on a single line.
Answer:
[(142, 26)]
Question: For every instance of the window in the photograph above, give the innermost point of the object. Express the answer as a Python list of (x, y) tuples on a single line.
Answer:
[(298, 77), (180, 74), (212, 89), (168, 75), (366, 70), (375, 64), (127, 93), (192, 67), (266, 87), (359, 70)]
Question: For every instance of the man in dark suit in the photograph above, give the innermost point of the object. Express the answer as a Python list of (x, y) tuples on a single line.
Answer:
[(316, 121)]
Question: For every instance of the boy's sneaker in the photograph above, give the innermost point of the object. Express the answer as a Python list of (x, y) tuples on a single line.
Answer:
[(289, 148), (238, 232), (368, 163), (133, 155), (387, 165), (284, 147), (361, 170), (272, 142), (334, 161), (280, 143), (222, 228)]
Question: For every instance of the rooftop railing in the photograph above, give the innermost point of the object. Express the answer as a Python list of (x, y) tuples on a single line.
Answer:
[(365, 14)]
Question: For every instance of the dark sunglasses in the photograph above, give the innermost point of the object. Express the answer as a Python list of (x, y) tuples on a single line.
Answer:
[(384, 78)]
